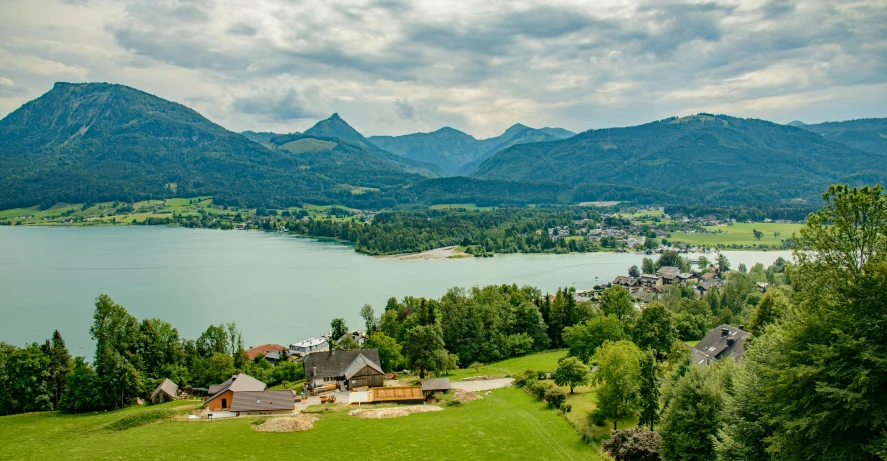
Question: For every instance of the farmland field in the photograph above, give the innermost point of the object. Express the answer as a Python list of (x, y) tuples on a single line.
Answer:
[(473, 430), (740, 234)]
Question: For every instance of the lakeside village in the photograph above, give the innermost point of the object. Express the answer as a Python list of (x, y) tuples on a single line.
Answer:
[(340, 370), (640, 229)]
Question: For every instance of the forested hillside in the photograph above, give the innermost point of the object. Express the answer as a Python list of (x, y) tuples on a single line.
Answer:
[(867, 134), (720, 158)]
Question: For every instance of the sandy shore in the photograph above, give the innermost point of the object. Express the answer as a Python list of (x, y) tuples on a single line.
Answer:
[(437, 253)]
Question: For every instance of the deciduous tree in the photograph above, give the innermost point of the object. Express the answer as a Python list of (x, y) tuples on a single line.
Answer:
[(571, 372)]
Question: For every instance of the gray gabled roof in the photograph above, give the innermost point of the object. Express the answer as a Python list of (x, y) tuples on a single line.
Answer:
[(167, 387), (263, 400), (332, 364), (717, 345), (436, 384), (360, 362), (237, 383)]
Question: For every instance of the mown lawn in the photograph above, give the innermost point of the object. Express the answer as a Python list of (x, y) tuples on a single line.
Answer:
[(508, 424), (739, 233), (542, 361)]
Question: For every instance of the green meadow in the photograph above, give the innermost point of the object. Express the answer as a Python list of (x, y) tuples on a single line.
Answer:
[(740, 234)]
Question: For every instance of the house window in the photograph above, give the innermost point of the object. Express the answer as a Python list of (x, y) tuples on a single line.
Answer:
[(224, 403)]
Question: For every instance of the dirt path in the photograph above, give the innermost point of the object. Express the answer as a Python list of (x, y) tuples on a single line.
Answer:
[(484, 385)]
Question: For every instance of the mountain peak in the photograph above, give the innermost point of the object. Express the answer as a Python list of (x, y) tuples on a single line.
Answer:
[(335, 116)]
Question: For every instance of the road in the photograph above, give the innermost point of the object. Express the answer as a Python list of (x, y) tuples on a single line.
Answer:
[(484, 385)]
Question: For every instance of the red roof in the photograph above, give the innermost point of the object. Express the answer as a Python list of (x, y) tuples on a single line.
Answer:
[(264, 349)]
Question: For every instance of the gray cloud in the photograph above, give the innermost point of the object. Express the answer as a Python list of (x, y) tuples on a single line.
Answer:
[(483, 66)]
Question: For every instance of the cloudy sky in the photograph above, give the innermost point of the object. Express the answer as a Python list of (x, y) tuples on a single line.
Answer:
[(394, 67)]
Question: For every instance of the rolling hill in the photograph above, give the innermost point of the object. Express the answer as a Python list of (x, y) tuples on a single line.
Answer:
[(718, 157), (458, 153), (867, 134), (98, 141)]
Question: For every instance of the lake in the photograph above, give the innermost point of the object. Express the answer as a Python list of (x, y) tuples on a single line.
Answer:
[(278, 288)]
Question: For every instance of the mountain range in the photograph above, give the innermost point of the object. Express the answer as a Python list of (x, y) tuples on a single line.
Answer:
[(99, 141)]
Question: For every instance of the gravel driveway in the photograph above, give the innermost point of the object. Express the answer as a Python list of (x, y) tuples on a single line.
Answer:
[(484, 385)]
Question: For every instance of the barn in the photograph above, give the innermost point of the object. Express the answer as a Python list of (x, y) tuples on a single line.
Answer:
[(354, 368)]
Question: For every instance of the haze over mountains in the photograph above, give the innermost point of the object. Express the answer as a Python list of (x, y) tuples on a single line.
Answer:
[(98, 141)]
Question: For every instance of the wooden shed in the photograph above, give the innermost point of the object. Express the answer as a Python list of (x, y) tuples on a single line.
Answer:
[(411, 394), (363, 372), (431, 385)]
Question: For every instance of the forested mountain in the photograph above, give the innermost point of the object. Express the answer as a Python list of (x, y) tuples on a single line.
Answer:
[(867, 134), (720, 158), (459, 153), (97, 141), (258, 136)]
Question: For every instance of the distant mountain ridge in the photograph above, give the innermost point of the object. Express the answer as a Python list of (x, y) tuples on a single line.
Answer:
[(866, 134), (458, 153), (259, 136), (720, 156)]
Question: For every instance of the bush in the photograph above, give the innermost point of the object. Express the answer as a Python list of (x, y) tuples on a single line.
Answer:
[(541, 374), (539, 389), (566, 407), (454, 403), (596, 418), (633, 445), (525, 378), (555, 397)]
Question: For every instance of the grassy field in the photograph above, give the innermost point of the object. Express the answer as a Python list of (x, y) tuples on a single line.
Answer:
[(542, 361), (740, 233), (508, 424)]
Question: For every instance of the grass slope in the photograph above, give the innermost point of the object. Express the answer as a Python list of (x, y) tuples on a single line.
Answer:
[(740, 234), (508, 424)]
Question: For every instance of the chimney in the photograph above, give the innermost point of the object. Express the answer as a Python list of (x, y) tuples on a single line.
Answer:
[(725, 331), (742, 327), (730, 341)]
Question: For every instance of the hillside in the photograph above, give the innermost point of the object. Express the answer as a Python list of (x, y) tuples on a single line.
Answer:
[(458, 153), (98, 142), (258, 136), (867, 134), (720, 158)]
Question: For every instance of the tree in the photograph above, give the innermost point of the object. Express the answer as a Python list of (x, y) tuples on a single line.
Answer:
[(619, 379), (820, 372), (584, 339), (649, 391), (389, 350), (345, 343), (693, 417), (420, 349), (617, 301), (369, 318), (633, 271), (571, 372), (213, 340), (669, 258), (758, 234), (338, 328), (655, 330), (648, 266), (116, 334), (723, 263), (60, 364), (772, 307), (28, 380), (81, 389), (702, 262), (633, 445)]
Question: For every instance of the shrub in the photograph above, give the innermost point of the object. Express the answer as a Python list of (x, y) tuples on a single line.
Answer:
[(555, 397), (596, 418), (525, 378), (633, 445), (541, 374), (454, 403), (539, 389), (566, 407)]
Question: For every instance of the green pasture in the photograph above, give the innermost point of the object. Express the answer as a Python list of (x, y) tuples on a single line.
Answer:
[(507, 424), (740, 234)]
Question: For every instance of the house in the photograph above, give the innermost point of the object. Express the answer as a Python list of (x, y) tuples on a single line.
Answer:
[(684, 278), (669, 274), (264, 349), (221, 396), (360, 336), (308, 346), (762, 286), (355, 368), (166, 391), (431, 385), (625, 281), (263, 403), (651, 280), (721, 343)]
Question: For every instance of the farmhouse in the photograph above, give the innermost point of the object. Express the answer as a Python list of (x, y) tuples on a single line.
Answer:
[(264, 349), (166, 391), (723, 342), (356, 368), (263, 403), (625, 281), (221, 396)]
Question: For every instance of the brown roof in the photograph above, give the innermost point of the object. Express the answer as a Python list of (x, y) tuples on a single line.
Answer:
[(263, 400), (235, 384), (333, 364), (264, 349), (436, 384)]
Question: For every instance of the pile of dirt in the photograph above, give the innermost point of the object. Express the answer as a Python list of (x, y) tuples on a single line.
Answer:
[(288, 424), (465, 396), (395, 412)]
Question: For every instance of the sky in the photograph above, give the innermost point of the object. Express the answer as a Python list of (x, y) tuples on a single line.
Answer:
[(392, 67)]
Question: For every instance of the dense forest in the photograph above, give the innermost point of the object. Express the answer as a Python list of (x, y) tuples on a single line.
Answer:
[(722, 159), (867, 134)]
